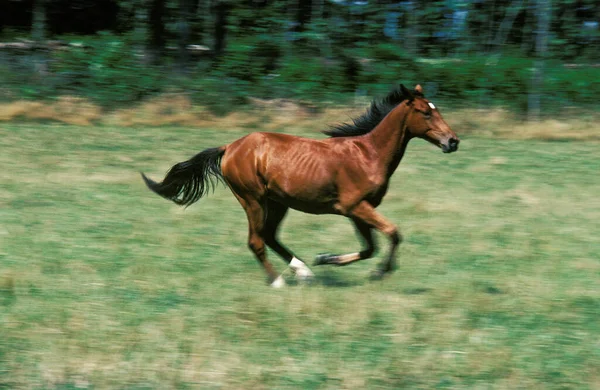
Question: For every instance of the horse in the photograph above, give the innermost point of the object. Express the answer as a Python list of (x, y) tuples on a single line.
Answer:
[(346, 174)]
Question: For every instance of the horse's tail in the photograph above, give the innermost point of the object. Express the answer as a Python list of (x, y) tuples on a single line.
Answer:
[(188, 181)]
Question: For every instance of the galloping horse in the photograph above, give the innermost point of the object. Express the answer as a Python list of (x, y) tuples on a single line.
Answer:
[(347, 174)]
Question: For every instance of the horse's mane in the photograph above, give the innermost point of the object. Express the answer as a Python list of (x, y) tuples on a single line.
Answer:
[(370, 119)]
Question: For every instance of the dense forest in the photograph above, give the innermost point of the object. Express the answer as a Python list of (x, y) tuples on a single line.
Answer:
[(533, 56)]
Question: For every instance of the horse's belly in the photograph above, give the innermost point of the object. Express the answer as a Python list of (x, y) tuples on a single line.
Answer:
[(309, 207), (313, 201)]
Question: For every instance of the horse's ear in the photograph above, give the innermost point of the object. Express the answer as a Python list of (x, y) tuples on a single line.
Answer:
[(419, 89), (407, 93)]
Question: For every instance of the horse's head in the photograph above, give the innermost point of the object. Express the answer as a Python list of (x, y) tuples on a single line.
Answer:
[(425, 121)]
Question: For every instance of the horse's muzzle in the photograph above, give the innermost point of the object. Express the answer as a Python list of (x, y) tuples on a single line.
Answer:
[(451, 146)]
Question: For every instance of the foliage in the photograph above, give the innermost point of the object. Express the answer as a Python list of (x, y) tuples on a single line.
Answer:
[(105, 70), (469, 53)]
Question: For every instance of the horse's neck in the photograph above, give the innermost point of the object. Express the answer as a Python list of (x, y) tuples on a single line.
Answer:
[(390, 138)]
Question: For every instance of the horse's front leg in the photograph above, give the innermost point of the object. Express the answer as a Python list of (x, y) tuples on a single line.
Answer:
[(366, 214), (365, 232)]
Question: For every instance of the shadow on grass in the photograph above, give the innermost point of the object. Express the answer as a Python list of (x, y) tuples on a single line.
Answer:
[(416, 290), (331, 279), (487, 287)]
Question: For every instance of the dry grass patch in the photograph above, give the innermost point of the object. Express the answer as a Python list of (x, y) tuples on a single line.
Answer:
[(289, 116), (504, 124), (170, 109), (66, 109)]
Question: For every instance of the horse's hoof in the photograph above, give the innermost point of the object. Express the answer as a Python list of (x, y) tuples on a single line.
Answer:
[(302, 272), (304, 275), (305, 279), (279, 282), (324, 258), (377, 274)]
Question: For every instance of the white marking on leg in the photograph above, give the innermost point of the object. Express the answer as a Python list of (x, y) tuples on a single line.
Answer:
[(279, 282), (350, 257), (300, 269)]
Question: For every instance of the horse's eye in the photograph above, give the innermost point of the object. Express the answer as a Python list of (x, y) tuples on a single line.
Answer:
[(427, 115)]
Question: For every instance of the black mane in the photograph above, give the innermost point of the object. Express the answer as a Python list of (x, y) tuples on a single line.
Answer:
[(367, 121)]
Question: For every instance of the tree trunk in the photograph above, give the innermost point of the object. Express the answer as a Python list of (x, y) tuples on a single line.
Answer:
[(318, 9), (184, 32), (411, 30), (38, 34), (542, 12), (303, 15), (140, 31), (157, 31), (38, 24), (509, 18), (221, 10), (197, 15)]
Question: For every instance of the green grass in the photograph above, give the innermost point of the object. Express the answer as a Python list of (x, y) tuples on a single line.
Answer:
[(105, 285)]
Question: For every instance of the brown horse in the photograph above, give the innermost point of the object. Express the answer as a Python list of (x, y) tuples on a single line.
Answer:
[(346, 174)]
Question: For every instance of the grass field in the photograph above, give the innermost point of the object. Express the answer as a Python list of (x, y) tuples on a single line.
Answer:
[(105, 285)]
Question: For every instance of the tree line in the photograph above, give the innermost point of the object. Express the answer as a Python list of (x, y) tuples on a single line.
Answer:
[(529, 54)]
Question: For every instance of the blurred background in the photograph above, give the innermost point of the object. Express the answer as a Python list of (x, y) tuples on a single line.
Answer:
[(532, 56)]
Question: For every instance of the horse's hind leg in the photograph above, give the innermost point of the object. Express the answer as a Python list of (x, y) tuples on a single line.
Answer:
[(365, 232), (256, 243), (275, 214)]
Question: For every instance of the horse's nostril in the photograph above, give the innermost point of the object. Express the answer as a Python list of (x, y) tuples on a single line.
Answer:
[(453, 142)]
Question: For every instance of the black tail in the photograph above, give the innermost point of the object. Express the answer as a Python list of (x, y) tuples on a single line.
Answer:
[(188, 181)]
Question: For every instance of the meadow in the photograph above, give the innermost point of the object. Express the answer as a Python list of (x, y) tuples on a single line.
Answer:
[(105, 285)]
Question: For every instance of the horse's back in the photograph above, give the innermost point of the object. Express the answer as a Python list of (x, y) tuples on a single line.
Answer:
[(293, 170), (259, 146)]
